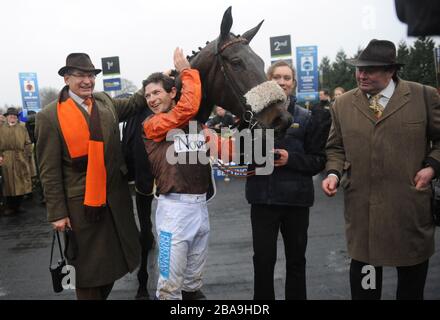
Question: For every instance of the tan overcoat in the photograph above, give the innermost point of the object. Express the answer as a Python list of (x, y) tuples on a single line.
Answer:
[(387, 221), (16, 149)]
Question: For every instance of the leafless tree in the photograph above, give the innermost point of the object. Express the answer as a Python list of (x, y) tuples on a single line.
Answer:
[(47, 95), (127, 87)]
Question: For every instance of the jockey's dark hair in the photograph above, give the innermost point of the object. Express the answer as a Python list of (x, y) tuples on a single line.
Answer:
[(158, 77)]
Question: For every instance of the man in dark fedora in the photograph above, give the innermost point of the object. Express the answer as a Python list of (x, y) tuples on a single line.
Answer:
[(384, 149), (84, 177)]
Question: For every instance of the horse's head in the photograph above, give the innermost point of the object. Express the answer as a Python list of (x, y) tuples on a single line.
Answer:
[(233, 76)]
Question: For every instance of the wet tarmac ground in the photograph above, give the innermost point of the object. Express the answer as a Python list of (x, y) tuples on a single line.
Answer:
[(25, 241)]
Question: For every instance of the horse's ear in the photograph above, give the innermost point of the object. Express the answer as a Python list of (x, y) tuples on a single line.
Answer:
[(226, 23), (249, 35)]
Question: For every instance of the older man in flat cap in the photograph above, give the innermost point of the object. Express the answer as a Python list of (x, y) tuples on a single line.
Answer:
[(84, 177), (384, 149)]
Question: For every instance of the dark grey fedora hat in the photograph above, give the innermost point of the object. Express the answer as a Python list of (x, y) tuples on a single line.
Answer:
[(377, 53), (80, 61), (11, 110)]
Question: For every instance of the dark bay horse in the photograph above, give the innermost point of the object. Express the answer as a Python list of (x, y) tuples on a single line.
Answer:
[(233, 77)]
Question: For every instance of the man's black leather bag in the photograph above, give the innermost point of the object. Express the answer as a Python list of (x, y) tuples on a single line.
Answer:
[(56, 271)]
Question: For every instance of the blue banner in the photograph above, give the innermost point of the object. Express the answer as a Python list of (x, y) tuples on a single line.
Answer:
[(308, 76), (113, 84), (30, 95)]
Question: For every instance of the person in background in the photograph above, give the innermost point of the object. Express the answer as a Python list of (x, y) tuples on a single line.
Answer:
[(15, 160), (324, 101), (222, 119), (139, 171), (337, 92)]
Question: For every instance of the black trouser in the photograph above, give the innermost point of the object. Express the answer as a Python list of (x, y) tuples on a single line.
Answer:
[(96, 293), (410, 281), (14, 202), (293, 222), (143, 206)]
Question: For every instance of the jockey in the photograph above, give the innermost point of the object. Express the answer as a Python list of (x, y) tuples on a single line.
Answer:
[(177, 149)]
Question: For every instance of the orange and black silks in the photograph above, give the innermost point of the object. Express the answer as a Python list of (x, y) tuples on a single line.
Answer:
[(186, 108), (85, 144), (157, 126)]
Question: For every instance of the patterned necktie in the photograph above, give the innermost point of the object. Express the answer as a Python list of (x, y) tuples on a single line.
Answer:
[(88, 102), (376, 106)]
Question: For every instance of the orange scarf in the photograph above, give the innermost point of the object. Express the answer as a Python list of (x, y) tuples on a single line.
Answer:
[(85, 144)]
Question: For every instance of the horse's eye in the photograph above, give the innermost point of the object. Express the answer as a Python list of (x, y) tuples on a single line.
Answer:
[(236, 63)]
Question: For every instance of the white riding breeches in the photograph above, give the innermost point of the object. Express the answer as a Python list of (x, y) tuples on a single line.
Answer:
[(182, 225)]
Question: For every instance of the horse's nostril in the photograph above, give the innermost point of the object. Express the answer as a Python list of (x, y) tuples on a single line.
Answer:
[(289, 119), (285, 122), (278, 122), (282, 126)]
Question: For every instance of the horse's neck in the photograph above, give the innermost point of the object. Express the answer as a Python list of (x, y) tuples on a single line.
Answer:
[(205, 109), (206, 76)]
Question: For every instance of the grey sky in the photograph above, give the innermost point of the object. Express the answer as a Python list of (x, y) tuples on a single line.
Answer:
[(37, 35)]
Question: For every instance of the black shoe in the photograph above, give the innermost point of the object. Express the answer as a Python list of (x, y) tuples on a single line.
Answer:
[(193, 295), (8, 212), (142, 294), (19, 210)]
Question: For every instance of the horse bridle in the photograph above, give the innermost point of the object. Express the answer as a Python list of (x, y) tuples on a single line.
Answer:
[(249, 114)]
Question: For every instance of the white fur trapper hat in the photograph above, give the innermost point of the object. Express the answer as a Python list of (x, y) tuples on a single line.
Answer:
[(264, 95)]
